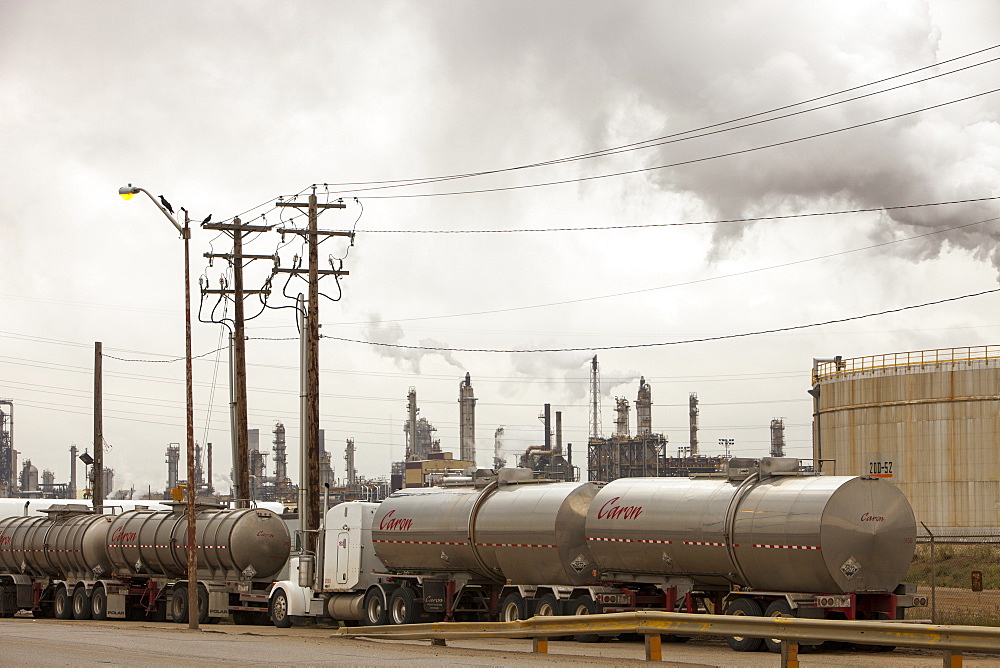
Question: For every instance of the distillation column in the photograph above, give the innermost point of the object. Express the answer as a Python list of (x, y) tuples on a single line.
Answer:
[(644, 408), (467, 420)]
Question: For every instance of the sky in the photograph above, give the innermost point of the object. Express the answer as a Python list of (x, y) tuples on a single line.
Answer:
[(668, 259)]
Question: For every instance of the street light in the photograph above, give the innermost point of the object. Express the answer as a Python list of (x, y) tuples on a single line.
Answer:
[(727, 443), (126, 193)]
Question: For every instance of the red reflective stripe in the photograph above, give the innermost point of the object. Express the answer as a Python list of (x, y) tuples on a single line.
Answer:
[(417, 542), (512, 545), (631, 540), (788, 547)]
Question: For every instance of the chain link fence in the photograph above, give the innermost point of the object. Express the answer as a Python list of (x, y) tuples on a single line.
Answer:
[(960, 574)]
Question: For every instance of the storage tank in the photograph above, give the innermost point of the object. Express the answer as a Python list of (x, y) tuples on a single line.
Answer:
[(68, 542), (781, 532), (927, 421), (243, 543), (518, 530)]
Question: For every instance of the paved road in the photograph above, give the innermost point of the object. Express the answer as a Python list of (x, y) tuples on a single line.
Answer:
[(48, 642)]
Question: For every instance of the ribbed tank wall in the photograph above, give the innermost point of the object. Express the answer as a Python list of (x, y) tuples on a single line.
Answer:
[(930, 428), (249, 543)]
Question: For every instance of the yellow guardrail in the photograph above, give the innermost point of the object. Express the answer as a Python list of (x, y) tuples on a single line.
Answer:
[(952, 639)]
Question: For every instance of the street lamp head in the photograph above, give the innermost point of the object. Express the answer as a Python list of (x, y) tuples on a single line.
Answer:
[(127, 191)]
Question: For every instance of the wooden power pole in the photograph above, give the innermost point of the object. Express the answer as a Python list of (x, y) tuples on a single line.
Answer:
[(97, 491), (311, 399), (238, 379)]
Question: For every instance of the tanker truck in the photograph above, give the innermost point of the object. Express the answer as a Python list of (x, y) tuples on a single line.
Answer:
[(763, 539), (72, 563)]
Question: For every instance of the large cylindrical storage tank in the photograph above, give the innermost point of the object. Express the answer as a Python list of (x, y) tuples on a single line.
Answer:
[(243, 543), (61, 545), (533, 533), (926, 421), (820, 534), (427, 529)]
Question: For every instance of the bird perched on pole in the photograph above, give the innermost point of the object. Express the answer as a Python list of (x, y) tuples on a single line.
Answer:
[(207, 218), (166, 204)]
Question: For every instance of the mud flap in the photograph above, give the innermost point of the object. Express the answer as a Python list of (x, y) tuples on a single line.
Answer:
[(116, 605)]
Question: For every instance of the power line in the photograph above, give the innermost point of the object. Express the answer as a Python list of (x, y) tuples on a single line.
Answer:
[(659, 140), (681, 163), (695, 281), (636, 145), (667, 343), (688, 223)]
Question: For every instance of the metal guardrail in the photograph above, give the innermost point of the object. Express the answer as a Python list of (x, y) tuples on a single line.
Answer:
[(952, 639)]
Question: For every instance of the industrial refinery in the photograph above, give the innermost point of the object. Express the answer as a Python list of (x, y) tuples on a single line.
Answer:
[(923, 420)]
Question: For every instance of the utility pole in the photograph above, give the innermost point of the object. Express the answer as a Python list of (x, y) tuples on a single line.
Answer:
[(238, 367), (311, 399), (194, 612), (97, 491)]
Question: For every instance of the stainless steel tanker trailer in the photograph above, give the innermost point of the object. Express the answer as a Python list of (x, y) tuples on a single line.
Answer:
[(765, 539), (72, 563)]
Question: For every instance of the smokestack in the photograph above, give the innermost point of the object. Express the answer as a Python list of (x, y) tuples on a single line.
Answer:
[(547, 421), (352, 474), (210, 488), (467, 420), (559, 432), (411, 424), (693, 416), (72, 471)]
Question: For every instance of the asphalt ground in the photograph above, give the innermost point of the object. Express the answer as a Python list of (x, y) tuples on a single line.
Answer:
[(48, 642)]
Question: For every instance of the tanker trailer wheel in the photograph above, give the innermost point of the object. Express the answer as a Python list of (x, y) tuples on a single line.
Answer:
[(278, 610), (81, 604), (8, 599), (746, 607), (376, 608), (203, 617), (61, 604), (583, 605), (403, 607), (546, 606), (99, 603), (512, 608), (777, 608), (178, 606)]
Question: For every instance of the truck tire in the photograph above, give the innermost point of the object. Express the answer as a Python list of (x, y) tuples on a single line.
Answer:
[(512, 608), (403, 607), (99, 604), (776, 608), (278, 610), (81, 604), (749, 608), (546, 606), (376, 607), (61, 604), (203, 617), (583, 605), (178, 605), (8, 599)]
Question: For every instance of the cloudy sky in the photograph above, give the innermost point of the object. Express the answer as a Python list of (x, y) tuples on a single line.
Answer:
[(728, 110)]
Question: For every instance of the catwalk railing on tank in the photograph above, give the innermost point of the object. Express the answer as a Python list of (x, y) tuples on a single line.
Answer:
[(970, 354)]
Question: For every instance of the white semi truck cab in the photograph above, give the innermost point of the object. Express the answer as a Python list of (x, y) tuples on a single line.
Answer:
[(332, 583)]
